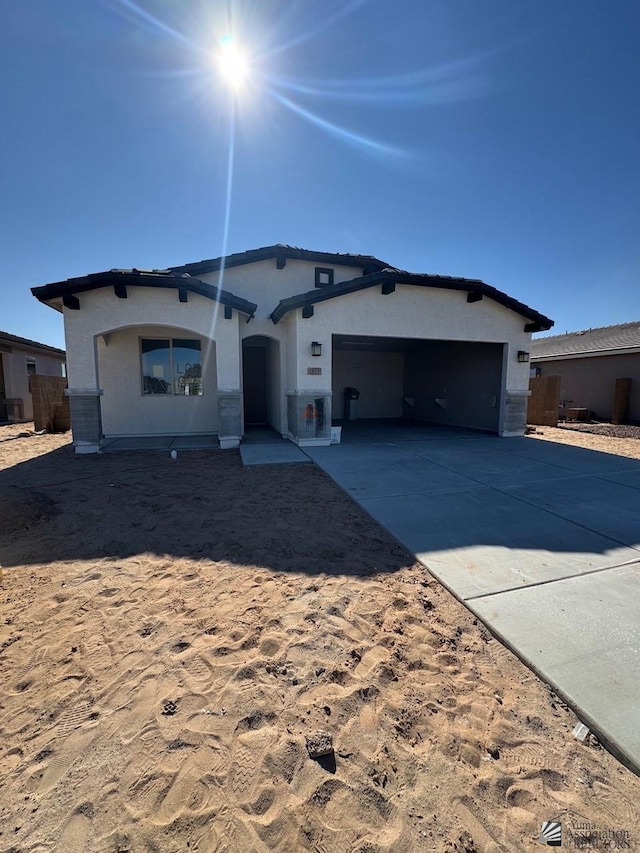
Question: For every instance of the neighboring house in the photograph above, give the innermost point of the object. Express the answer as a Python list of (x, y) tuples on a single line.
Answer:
[(275, 335), (589, 363), (19, 359)]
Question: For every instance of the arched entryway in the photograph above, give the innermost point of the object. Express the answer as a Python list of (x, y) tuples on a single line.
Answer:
[(261, 381)]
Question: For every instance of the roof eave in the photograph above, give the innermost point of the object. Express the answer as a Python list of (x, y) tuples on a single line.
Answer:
[(537, 322), (56, 290)]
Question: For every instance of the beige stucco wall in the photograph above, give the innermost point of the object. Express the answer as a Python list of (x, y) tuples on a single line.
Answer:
[(263, 283), (102, 312), (102, 344), (410, 312), (127, 411), (589, 381), (266, 285), (275, 397), (16, 377)]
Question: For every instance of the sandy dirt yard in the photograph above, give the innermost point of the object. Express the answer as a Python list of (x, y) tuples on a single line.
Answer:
[(592, 441), (171, 632)]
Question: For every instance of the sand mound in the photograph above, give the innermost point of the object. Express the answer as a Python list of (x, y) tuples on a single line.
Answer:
[(22, 509)]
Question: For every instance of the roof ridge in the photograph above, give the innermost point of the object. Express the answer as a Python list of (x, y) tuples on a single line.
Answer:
[(273, 250)]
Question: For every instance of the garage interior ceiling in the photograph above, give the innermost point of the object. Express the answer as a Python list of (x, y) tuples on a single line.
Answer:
[(365, 343)]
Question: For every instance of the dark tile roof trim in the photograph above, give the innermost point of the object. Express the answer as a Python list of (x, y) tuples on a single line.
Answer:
[(7, 339), (537, 322), (280, 252), (607, 339), (136, 278)]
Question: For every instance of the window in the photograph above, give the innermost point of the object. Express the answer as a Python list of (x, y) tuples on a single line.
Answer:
[(324, 277), (171, 366), (31, 366)]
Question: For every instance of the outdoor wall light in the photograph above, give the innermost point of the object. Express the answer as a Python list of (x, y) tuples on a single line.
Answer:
[(316, 348), (522, 355)]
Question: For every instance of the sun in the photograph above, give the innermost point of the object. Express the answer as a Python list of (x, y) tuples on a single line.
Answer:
[(232, 63)]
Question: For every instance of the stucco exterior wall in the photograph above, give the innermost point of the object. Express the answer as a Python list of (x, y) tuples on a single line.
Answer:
[(275, 397), (410, 312), (102, 312), (104, 320), (589, 382), (266, 285), (16, 377), (127, 411)]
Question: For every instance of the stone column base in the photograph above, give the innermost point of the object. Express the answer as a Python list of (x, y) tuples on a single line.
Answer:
[(309, 418), (86, 418), (15, 410), (229, 442), (230, 418), (514, 414)]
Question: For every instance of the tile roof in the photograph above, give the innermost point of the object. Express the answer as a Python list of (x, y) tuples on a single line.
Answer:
[(373, 271), (6, 338), (140, 278), (279, 250), (605, 339)]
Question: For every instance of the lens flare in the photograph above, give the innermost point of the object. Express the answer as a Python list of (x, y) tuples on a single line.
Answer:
[(232, 63)]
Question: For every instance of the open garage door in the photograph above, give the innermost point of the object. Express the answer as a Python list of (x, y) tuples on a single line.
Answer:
[(457, 383)]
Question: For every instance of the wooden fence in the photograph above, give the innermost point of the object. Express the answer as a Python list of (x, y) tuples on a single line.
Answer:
[(50, 406), (542, 409)]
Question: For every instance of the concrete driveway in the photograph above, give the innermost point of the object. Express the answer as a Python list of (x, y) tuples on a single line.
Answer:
[(541, 541)]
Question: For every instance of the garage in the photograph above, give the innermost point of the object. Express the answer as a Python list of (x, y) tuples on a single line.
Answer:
[(454, 383)]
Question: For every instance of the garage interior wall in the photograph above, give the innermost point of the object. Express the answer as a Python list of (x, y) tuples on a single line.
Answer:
[(379, 376), (454, 383), (445, 382)]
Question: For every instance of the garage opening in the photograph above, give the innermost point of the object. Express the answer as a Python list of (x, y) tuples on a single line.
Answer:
[(453, 383), (261, 381)]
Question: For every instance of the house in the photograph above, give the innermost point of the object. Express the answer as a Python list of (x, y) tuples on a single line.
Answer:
[(20, 358), (589, 363), (275, 335)]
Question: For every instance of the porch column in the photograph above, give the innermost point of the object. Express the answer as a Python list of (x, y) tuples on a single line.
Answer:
[(514, 413), (84, 393), (309, 417), (515, 393), (86, 418), (229, 394)]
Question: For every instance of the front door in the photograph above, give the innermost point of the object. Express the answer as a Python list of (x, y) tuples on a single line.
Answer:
[(254, 383)]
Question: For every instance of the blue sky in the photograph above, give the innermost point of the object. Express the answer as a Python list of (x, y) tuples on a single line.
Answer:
[(494, 139)]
